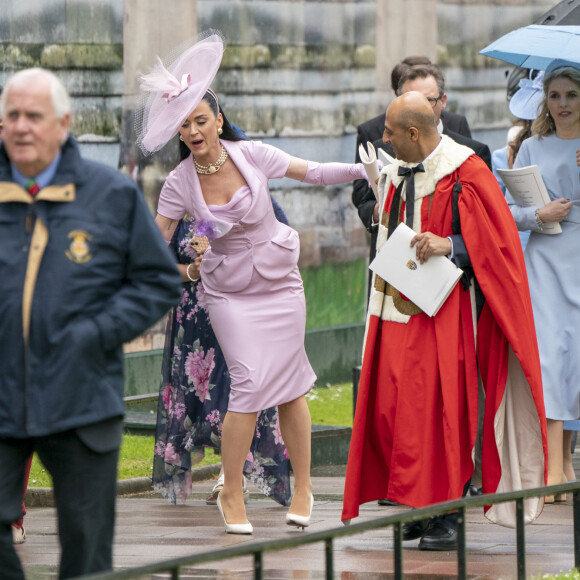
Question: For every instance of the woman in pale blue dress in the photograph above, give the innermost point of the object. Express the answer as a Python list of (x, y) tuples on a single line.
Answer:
[(552, 260)]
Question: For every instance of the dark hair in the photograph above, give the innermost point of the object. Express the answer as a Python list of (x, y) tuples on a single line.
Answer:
[(515, 144), (423, 71), (402, 66), (229, 133)]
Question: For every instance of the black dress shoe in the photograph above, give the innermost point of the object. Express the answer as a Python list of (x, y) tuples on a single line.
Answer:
[(441, 534), (387, 502), (473, 490), (414, 530)]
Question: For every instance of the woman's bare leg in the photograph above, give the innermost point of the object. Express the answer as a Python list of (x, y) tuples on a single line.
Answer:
[(238, 430), (567, 448), (295, 426), (555, 454)]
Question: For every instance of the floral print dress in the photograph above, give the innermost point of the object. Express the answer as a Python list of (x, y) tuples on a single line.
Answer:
[(193, 399)]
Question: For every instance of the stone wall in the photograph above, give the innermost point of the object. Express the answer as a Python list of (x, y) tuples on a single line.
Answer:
[(300, 74), (477, 84), (83, 42)]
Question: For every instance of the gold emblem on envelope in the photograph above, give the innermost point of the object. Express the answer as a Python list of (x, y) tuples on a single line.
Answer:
[(412, 265)]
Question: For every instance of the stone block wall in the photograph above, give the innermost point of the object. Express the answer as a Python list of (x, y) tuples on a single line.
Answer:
[(300, 74), (82, 41), (477, 84)]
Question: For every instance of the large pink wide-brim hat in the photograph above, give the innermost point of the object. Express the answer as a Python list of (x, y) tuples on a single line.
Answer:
[(176, 90)]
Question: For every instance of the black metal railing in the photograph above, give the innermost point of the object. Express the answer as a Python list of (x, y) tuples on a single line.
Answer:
[(257, 549)]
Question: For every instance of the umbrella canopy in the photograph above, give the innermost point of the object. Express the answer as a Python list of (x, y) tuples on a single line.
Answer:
[(535, 46), (565, 12)]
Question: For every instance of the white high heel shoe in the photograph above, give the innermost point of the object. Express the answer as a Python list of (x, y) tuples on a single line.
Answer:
[(211, 499), (234, 528), (300, 521)]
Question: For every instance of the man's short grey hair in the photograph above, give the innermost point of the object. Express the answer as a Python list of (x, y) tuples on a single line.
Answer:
[(58, 92)]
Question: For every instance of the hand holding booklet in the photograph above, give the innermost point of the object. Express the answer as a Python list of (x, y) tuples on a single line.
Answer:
[(427, 285), (527, 187)]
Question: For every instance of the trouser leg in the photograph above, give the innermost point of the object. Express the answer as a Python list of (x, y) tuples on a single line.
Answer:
[(13, 456), (85, 486), (20, 522)]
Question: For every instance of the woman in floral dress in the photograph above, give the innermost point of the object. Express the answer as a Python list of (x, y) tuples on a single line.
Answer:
[(194, 394)]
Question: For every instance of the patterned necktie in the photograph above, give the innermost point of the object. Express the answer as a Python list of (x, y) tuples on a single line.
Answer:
[(409, 179), (32, 187)]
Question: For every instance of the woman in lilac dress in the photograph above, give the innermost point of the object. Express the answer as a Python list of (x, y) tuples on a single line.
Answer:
[(253, 288), (194, 396)]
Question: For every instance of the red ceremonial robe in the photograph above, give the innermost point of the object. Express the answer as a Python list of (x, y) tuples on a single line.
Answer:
[(416, 416)]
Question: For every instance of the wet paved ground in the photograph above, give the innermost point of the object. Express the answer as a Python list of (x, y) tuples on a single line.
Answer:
[(149, 529)]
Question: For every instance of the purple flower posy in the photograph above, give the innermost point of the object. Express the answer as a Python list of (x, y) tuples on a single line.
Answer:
[(206, 228)]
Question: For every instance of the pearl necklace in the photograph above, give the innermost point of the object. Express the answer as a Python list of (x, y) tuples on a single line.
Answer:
[(212, 167)]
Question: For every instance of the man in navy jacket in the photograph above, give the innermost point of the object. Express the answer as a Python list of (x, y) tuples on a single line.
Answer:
[(83, 269)]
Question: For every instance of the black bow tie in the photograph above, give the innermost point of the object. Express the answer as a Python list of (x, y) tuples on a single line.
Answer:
[(409, 178)]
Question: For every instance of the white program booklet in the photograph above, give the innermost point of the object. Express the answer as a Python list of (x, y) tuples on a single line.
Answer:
[(427, 285), (528, 189)]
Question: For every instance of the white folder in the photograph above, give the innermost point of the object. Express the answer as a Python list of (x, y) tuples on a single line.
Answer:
[(427, 285)]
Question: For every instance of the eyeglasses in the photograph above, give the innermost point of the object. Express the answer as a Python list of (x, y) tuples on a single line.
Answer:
[(433, 100)]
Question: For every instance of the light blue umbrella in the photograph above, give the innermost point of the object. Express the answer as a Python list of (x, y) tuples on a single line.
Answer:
[(535, 46)]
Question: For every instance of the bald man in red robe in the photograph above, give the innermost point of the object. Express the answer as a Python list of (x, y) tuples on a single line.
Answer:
[(417, 409)]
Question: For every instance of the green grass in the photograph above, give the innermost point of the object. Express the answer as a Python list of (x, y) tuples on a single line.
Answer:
[(328, 406), (335, 294), (572, 575), (331, 405)]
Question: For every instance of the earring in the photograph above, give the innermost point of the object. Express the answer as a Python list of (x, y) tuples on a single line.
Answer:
[(220, 130), (180, 138)]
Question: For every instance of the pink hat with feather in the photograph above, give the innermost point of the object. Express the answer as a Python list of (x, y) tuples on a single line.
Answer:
[(176, 89)]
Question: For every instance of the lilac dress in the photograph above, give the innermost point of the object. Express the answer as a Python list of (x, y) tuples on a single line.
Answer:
[(194, 396), (253, 288)]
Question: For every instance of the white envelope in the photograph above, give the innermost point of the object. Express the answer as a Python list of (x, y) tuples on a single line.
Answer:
[(427, 285)]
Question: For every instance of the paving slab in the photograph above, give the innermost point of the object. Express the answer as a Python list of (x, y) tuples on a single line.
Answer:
[(149, 529)]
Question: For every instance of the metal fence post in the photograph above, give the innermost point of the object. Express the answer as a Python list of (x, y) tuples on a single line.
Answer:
[(329, 559), (461, 545), (521, 539), (576, 504), (258, 566), (398, 551)]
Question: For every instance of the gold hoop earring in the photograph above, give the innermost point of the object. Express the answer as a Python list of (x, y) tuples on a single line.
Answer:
[(180, 138), (220, 130)]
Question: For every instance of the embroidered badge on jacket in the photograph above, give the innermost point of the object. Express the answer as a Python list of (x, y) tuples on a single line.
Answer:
[(79, 250)]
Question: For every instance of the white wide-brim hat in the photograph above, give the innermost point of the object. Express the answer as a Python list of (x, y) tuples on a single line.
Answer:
[(526, 101), (176, 89)]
